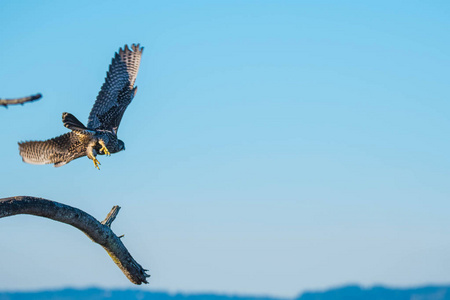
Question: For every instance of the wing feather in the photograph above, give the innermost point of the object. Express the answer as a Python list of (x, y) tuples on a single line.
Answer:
[(59, 150), (117, 91)]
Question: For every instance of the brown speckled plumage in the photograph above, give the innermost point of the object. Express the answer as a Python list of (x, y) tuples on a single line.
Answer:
[(114, 97), (59, 150)]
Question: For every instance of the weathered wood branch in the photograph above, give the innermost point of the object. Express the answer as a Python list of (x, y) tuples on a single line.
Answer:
[(99, 233), (111, 216), (6, 102)]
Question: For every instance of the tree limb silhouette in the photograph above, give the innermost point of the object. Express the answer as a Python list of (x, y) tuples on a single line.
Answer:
[(98, 232), (6, 102)]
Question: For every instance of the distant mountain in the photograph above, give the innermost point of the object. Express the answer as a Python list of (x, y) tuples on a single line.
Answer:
[(100, 294), (343, 293), (380, 293)]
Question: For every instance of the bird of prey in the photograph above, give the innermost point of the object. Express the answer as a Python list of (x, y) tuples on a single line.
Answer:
[(100, 134)]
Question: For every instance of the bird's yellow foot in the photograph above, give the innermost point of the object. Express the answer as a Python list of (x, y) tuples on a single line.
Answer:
[(105, 150), (96, 163)]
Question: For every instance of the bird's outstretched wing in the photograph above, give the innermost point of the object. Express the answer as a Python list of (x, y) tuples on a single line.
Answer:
[(117, 91), (59, 150)]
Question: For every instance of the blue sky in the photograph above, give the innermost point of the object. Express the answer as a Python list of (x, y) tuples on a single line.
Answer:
[(272, 147)]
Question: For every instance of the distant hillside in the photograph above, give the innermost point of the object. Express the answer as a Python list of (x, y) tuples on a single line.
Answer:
[(99, 294), (380, 293), (343, 293)]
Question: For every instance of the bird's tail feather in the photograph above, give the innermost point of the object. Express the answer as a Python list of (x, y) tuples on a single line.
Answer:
[(71, 122)]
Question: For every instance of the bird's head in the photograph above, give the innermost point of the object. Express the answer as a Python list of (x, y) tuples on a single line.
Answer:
[(121, 145)]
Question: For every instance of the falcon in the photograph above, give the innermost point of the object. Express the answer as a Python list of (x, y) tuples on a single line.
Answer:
[(99, 136)]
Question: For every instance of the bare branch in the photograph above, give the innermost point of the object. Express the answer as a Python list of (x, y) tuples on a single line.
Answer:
[(6, 102), (111, 216), (96, 231)]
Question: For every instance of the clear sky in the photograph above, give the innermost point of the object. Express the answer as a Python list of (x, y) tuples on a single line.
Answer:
[(272, 146)]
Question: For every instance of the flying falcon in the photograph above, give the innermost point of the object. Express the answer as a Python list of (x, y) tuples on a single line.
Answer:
[(100, 134)]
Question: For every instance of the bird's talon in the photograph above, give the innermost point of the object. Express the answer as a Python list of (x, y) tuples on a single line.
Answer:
[(96, 163), (105, 151)]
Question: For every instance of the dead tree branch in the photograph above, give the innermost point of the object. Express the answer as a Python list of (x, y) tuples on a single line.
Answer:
[(99, 233), (6, 102)]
